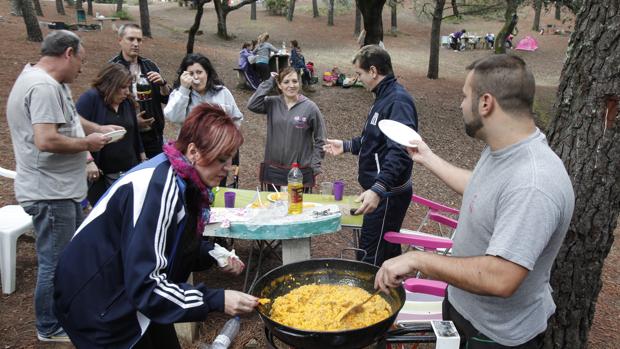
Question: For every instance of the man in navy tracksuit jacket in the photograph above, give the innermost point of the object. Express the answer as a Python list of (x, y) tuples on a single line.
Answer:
[(384, 166)]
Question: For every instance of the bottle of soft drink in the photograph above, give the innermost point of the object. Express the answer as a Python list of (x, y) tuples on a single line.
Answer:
[(295, 190), (144, 91), (226, 335)]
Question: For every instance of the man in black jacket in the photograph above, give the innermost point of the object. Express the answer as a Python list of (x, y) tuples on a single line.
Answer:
[(151, 119), (384, 166)]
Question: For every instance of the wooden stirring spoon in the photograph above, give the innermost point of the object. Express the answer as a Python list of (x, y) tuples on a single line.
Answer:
[(356, 307)]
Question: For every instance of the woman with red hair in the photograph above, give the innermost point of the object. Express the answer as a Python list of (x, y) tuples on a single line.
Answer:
[(121, 281)]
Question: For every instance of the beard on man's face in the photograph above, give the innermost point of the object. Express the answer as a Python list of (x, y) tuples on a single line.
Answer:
[(472, 127)]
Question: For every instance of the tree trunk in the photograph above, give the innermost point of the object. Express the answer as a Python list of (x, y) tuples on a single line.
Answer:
[(60, 8), (89, 7), (119, 5), (510, 23), (315, 9), (222, 9), (358, 21), (372, 11), (253, 11), (433, 61), (330, 12), (16, 8), (455, 9), (78, 5), (394, 18), (558, 10), (221, 13), (585, 133), (537, 9), (37, 8), (145, 21), (291, 10), (31, 21), (194, 28)]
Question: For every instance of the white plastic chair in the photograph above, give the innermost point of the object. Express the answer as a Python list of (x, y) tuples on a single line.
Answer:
[(14, 222)]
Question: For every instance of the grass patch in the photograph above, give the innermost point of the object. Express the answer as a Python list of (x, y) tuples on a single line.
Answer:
[(122, 14)]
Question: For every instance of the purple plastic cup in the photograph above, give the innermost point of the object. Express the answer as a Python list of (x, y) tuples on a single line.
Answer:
[(338, 190), (229, 199)]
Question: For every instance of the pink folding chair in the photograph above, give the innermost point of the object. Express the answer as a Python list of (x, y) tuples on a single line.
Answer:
[(433, 207), (424, 296)]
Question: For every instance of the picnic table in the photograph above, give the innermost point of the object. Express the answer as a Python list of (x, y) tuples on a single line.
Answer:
[(102, 19), (292, 232), (471, 41)]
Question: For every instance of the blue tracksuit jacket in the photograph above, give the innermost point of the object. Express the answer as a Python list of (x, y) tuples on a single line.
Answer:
[(128, 263), (384, 165)]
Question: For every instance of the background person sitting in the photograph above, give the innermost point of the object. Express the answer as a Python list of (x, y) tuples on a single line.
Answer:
[(456, 40), (109, 102), (489, 38), (298, 62), (246, 60), (509, 41)]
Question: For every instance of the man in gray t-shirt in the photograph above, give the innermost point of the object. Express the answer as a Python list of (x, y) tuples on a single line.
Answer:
[(517, 205), (50, 152)]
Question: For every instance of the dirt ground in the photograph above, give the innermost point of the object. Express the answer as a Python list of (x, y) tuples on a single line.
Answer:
[(344, 110)]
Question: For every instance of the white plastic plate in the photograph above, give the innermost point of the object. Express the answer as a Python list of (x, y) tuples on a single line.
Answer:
[(115, 135), (398, 132)]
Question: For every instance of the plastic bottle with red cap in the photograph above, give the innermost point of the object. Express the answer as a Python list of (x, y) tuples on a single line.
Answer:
[(295, 190)]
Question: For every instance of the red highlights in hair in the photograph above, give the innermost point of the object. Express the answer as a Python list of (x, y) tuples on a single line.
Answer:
[(212, 131)]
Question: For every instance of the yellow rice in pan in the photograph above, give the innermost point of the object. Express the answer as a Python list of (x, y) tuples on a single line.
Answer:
[(315, 308)]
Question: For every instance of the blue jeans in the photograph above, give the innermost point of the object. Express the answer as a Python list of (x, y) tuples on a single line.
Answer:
[(55, 222)]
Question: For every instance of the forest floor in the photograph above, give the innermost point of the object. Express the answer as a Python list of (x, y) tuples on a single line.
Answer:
[(437, 102)]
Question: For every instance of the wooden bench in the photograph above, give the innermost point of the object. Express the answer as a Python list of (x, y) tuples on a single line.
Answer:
[(240, 78)]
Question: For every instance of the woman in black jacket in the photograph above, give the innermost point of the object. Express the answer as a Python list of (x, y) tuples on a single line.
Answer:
[(110, 102)]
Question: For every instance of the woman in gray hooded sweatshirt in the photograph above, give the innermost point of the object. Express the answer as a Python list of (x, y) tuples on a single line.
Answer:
[(295, 130)]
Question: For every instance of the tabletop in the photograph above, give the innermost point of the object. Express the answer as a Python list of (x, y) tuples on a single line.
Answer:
[(243, 197), (288, 227)]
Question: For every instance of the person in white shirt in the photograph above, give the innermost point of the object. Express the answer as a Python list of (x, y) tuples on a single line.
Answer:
[(197, 83)]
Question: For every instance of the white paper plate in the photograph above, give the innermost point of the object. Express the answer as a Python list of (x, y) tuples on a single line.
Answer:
[(115, 135), (399, 133)]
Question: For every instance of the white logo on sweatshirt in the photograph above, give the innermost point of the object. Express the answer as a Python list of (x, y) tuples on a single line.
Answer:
[(374, 119)]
